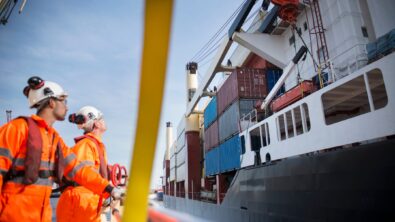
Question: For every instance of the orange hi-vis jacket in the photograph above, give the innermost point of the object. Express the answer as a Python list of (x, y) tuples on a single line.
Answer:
[(76, 202), (22, 202)]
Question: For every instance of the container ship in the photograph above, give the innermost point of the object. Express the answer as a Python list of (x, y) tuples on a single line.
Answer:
[(302, 127)]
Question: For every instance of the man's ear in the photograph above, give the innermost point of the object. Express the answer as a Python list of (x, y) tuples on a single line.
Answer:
[(52, 103)]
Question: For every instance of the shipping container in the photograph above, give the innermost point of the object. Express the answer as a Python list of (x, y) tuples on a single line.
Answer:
[(257, 62), (211, 136), (382, 46), (371, 49), (181, 172), (180, 157), (181, 127), (173, 161), (229, 154), (386, 43), (229, 120), (243, 83), (172, 174), (180, 142), (272, 76), (212, 162), (210, 113)]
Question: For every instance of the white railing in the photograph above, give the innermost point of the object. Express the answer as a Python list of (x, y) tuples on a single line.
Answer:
[(347, 61), (248, 119)]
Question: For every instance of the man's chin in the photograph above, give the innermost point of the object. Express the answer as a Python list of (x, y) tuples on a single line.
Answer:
[(60, 118)]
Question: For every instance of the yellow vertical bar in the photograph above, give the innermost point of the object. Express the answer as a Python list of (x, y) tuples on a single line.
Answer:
[(153, 72)]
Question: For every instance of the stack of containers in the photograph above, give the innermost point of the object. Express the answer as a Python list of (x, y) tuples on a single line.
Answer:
[(235, 98), (211, 125)]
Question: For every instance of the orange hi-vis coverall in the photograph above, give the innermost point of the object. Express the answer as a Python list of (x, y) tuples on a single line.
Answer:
[(22, 202), (76, 202)]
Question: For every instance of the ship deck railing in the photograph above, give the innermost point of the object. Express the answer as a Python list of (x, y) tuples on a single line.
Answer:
[(347, 61)]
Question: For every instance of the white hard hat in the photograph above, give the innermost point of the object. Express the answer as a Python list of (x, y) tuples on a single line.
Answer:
[(86, 116), (38, 90)]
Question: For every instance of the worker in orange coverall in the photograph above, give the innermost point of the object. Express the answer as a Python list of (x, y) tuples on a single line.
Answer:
[(77, 203), (33, 156)]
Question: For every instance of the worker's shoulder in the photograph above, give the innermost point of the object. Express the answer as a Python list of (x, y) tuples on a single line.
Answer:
[(18, 122), (85, 142)]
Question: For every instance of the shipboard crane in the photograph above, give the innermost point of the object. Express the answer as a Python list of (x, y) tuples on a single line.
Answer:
[(288, 10), (287, 71)]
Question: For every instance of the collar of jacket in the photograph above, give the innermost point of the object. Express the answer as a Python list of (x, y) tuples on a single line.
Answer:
[(41, 122), (98, 138), (91, 135)]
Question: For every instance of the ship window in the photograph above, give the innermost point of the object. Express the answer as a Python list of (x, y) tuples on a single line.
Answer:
[(298, 121), (305, 109), (346, 101), (255, 138), (243, 144), (281, 127), (265, 134), (290, 125), (294, 122), (377, 89)]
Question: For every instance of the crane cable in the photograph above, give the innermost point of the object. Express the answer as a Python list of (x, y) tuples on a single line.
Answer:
[(154, 61), (216, 45), (201, 51)]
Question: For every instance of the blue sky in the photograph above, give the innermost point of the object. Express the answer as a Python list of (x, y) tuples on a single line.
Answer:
[(92, 49)]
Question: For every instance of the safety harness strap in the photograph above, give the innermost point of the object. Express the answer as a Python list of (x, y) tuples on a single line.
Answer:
[(33, 152)]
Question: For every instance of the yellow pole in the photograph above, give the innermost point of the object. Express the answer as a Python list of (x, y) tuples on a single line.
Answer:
[(153, 72)]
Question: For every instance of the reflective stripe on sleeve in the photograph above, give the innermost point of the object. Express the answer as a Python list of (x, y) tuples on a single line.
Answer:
[(69, 158), (20, 162), (40, 181), (78, 167), (4, 152)]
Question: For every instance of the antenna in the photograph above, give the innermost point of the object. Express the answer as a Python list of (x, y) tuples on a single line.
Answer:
[(8, 115)]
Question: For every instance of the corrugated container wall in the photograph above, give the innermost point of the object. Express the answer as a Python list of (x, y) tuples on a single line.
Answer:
[(257, 62), (210, 113), (229, 154), (229, 120), (212, 162), (211, 139), (224, 158), (272, 76), (246, 83)]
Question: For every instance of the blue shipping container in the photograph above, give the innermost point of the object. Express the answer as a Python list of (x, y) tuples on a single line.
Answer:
[(272, 76), (210, 113), (371, 48), (229, 154), (229, 120), (212, 162)]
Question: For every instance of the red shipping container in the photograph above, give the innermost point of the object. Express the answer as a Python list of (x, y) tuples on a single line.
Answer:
[(211, 136), (245, 83), (296, 93), (257, 62)]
